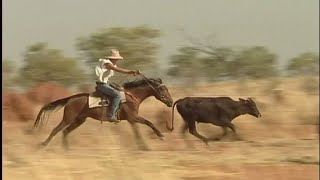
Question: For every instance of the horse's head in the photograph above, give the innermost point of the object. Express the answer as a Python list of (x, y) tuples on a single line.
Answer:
[(160, 91), (150, 87)]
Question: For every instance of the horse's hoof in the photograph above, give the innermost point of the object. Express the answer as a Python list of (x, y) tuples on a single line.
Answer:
[(65, 147), (41, 145), (237, 138), (145, 149), (162, 138), (216, 139), (29, 131), (206, 141)]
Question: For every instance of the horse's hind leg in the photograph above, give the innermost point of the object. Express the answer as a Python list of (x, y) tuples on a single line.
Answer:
[(68, 117), (75, 124), (62, 124)]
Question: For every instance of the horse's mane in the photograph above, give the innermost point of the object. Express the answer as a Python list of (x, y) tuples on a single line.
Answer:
[(140, 82)]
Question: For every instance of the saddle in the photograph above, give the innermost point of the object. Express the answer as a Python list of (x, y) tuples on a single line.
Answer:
[(105, 99)]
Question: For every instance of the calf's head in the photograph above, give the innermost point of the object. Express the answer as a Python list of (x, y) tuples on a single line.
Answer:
[(251, 107)]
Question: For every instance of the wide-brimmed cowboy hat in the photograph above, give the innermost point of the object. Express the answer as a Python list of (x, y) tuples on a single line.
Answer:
[(115, 54)]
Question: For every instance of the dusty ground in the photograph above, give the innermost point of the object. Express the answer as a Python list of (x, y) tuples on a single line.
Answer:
[(283, 144)]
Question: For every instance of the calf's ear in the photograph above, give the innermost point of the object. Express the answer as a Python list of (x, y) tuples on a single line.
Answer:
[(250, 98), (242, 100)]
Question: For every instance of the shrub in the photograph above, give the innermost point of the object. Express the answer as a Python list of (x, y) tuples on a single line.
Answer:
[(47, 92), (17, 107)]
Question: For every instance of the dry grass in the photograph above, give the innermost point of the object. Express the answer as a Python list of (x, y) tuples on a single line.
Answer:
[(280, 145)]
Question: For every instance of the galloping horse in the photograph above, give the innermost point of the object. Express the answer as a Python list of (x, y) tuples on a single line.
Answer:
[(77, 108)]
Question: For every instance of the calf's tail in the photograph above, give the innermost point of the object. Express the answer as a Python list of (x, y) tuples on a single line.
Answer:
[(172, 119)]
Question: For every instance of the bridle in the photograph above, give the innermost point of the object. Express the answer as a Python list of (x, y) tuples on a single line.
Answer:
[(146, 79)]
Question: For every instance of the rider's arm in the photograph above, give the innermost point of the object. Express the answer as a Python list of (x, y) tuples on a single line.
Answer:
[(125, 71)]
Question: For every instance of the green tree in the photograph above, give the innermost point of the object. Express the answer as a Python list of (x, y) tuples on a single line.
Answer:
[(186, 64), (255, 62), (8, 73), (304, 64), (43, 64), (135, 44), (215, 65), (210, 61), (194, 62)]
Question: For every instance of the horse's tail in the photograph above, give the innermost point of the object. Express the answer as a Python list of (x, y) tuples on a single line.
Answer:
[(172, 119), (55, 105)]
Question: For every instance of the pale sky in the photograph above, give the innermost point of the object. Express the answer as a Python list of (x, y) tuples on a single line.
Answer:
[(286, 27)]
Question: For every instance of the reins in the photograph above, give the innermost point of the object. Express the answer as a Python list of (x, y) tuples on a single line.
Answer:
[(146, 79)]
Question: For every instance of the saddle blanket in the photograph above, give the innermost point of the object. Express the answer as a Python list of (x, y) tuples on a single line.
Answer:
[(95, 101)]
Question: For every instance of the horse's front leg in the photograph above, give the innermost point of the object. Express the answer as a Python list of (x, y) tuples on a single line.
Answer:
[(131, 116), (142, 120)]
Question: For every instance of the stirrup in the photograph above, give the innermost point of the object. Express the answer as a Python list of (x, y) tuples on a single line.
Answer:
[(113, 120)]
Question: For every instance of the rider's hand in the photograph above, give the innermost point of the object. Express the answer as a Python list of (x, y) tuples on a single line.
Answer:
[(138, 72), (135, 72)]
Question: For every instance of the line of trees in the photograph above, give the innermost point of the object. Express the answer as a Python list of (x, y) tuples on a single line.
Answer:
[(224, 63), (137, 44)]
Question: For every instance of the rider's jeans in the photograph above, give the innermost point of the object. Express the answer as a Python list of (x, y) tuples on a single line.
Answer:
[(108, 90)]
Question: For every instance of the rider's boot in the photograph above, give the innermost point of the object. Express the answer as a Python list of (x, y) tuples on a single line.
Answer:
[(110, 116)]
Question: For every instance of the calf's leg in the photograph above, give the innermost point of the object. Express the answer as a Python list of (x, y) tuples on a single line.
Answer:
[(225, 131), (193, 131), (235, 134), (184, 128)]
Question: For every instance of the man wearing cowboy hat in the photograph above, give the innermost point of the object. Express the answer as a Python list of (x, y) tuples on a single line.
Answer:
[(104, 71)]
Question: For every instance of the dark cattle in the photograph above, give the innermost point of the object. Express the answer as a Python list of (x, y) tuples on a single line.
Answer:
[(219, 111)]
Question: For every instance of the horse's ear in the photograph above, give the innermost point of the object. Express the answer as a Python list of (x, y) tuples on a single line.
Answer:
[(242, 100), (159, 80)]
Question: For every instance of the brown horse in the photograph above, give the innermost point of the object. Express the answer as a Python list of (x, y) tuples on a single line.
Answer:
[(77, 109)]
